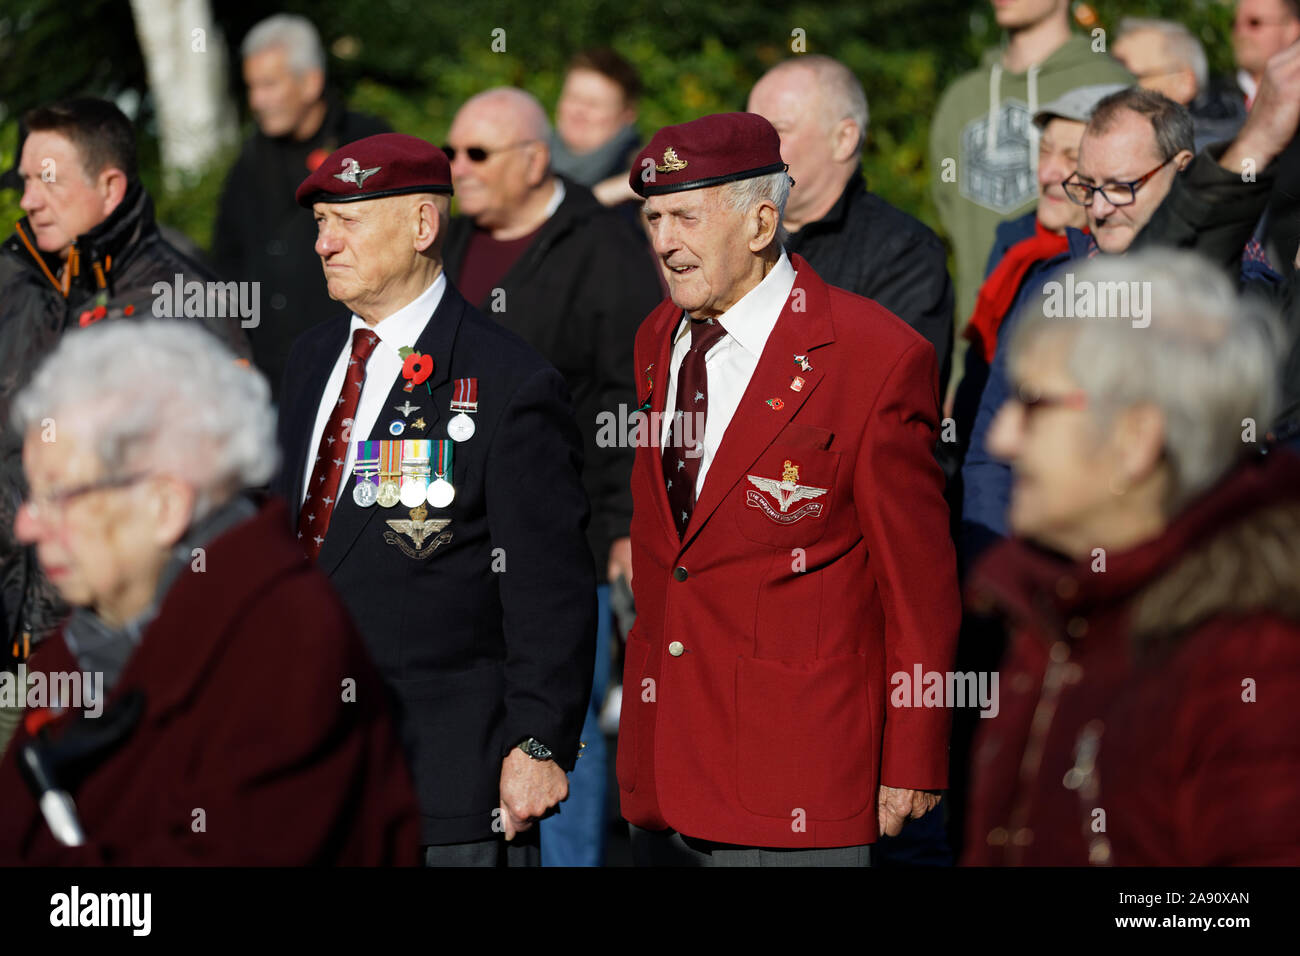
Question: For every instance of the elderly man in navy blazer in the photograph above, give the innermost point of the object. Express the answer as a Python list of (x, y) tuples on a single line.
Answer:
[(432, 467)]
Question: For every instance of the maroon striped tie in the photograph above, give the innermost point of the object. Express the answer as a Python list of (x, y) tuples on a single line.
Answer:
[(681, 456), (314, 518)]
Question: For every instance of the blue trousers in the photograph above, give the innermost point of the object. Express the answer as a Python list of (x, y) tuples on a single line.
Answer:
[(576, 835)]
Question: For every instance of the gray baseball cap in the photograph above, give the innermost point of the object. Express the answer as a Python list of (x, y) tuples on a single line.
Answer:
[(1076, 104)]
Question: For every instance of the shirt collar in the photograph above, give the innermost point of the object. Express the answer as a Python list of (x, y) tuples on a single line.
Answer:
[(751, 320), (556, 199), (404, 326)]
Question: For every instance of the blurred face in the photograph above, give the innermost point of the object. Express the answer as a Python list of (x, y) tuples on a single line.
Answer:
[(279, 98), (1145, 54), (1125, 152), (1061, 463), (1021, 14), (591, 110), (1262, 28), (61, 201), (699, 239), (791, 101), (491, 190), (102, 548), (366, 249), (1058, 158)]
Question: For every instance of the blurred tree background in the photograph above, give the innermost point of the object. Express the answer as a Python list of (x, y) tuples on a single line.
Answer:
[(414, 62)]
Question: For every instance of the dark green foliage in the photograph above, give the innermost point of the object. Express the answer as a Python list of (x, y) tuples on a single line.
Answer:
[(414, 62)]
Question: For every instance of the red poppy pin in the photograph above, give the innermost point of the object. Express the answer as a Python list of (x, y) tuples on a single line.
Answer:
[(416, 368), (316, 157)]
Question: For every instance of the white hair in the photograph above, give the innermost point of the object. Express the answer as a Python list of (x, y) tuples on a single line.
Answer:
[(1181, 43), (744, 194), (1209, 360), (296, 35), (161, 396)]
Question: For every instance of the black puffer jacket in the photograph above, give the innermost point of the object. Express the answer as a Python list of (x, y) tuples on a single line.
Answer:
[(118, 263)]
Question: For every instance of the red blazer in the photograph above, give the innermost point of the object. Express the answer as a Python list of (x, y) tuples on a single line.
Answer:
[(770, 726), (243, 673)]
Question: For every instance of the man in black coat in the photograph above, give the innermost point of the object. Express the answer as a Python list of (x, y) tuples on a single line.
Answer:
[(261, 234), (539, 254), (1213, 208), (87, 250), (852, 237), (475, 594)]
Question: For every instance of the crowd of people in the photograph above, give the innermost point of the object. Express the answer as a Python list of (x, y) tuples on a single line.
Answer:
[(998, 568)]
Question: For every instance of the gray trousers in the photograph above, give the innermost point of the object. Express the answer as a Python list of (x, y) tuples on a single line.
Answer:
[(670, 848), (524, 850)]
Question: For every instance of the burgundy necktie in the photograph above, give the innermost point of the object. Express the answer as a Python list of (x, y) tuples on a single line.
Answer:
[(681, 456), (314, 518)]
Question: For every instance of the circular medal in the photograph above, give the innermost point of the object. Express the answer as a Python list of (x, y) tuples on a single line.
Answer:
[(396, 426), (412, 493), (388, 494), (365, 494), (441, 493), (461, 428)]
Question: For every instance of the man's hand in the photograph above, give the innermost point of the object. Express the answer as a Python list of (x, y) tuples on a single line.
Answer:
[(528, 789), (1273, 117), (896, 807), (620, 560)]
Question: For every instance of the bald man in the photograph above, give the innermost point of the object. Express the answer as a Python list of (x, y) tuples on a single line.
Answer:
[(539, 254), (852, 237)]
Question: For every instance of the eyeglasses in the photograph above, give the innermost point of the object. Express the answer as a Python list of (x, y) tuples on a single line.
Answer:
[(48, 506), (479, 154), (1117, 194), (1031, 398)]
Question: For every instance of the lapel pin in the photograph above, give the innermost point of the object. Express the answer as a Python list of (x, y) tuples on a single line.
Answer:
[(803, 363), (797, 383), (775, 404)]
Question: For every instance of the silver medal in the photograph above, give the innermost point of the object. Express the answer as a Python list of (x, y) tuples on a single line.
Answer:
[(365, 494), (461, 428), (412, 493), (441, 493)]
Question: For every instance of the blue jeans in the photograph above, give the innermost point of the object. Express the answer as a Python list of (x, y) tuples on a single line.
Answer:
[(576, 835)]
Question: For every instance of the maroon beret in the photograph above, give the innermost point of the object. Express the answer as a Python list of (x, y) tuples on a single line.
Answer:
[(389, 164), (705, 152)]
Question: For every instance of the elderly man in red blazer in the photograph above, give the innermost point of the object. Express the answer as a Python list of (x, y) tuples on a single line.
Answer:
[(789, 535)]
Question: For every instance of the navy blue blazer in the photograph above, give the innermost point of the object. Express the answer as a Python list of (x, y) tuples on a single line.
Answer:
[(486, 632)]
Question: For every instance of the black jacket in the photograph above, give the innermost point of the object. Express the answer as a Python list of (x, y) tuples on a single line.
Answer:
[(577, 295), (1214, 211), (263, 235), (486, 631), (131, 255), (867, 246)]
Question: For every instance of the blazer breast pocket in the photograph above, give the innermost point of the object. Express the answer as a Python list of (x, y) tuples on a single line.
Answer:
[(787, 498)]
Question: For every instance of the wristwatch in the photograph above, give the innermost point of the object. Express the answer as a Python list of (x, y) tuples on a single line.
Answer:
[(536, 749)]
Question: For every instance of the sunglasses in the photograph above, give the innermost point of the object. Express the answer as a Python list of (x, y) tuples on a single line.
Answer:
[(478, 154)]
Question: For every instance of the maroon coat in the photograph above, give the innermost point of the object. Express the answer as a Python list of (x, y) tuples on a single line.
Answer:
[(1149, 713), (759, 669), (243, 674)]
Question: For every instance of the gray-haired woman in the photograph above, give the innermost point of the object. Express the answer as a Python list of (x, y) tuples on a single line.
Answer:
[(1147, 711), (223, 705)]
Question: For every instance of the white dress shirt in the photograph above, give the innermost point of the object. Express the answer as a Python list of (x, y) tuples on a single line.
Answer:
[(400, 329), (731, 362)]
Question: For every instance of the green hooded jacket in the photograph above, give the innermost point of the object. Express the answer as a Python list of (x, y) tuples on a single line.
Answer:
[(984, 124)]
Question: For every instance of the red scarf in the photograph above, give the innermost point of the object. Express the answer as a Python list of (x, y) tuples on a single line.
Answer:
[(999, 290)]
